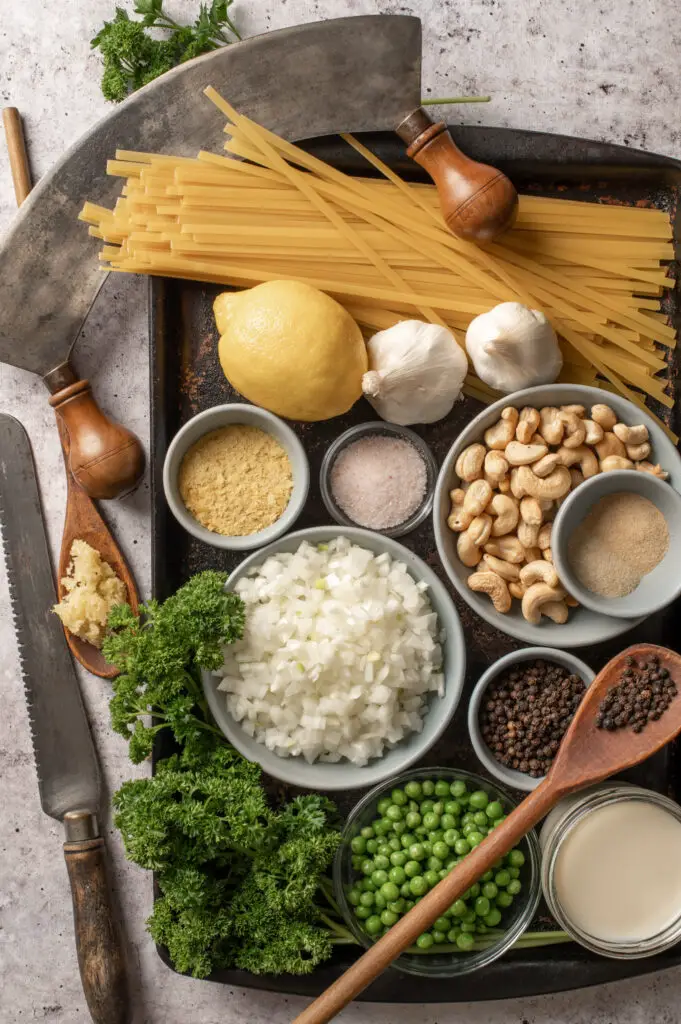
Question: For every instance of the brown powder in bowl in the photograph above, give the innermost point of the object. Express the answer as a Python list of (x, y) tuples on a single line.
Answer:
[(236, 480), (620, 541)]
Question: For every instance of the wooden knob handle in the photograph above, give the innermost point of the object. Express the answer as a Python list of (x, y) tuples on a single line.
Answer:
[(106, 459), (100, 953), (478, 202), (16, 147)]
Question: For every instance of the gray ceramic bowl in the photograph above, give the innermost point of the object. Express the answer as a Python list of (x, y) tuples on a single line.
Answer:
[(584, 626), (659, 587), (343, 775), (222, 416), (510, 777)]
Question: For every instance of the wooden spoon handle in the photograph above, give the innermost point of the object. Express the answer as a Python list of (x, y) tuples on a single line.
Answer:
[(420, 918), (18, 158), (478, 202), (107, 460)]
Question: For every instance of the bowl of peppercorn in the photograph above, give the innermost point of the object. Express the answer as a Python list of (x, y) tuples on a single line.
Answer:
[(520, 710)]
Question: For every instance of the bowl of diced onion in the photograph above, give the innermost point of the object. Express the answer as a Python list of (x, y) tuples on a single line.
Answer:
[(352, 662)]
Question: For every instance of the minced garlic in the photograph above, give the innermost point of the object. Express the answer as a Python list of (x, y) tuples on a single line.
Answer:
[(92, 589)]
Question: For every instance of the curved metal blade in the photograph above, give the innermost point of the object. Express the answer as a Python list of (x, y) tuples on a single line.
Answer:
[(68, 775), (344, 75)]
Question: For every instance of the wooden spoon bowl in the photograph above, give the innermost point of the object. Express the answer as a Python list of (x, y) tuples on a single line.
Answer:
[(587, 755)]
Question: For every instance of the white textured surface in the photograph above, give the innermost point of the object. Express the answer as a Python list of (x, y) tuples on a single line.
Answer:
[(607, 70)]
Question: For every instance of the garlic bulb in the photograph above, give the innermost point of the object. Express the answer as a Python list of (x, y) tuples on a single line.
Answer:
[(416, 372), (513, 347)]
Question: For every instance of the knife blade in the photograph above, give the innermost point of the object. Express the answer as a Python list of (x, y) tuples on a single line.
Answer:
[(66, 762)]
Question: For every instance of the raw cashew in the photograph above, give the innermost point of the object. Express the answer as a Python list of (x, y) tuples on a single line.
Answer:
[(517, 454), (576, 478), (532, 555), (459, 519), (469, 463), (631, 435), (516, 489), (480, 529), (603, 416), (638, 452), (594, 432), (496, 466), (507, 570), (647, 467), (477, 497), (531, 511), (557, 611), (571, 601), (504, 485), (505, 510), (575, 431), (552, 425), (538, 572), (457, 495), (588, 463), (574, 410), (535, 597), (502, 432), (555, 485), (527, 534), (547, 553), (469, 552), (615, 462), (544, 539), (546, 464), (610, 445), (489, 583), (516, 589), (508, 548), (527, 424)]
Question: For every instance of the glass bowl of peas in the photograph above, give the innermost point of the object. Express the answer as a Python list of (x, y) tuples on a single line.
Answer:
[(403, 837)]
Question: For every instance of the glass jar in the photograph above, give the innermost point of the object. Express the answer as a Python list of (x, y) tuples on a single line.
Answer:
[(559, 824)]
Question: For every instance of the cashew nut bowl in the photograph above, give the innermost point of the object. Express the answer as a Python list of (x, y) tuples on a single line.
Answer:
[(586, 448)]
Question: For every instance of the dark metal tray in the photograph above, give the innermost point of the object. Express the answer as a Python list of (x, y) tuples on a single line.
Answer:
[(186, 378)]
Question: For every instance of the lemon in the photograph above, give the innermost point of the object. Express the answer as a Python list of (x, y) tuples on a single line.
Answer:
[(291, 349)]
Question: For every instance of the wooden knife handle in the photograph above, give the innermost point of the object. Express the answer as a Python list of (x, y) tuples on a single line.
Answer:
[(478, 202), (107, 460), (100, 952)]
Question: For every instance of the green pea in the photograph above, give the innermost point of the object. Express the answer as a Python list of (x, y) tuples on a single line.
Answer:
[(354, 897), (441, 850), (387, 824), (382, 860), (405, 890), (388, 918), (499, 821), (358, 844), (432, 878), (408, 905), (398, 858), (465, 896), (427, 847), (367, 832), (487, 877), (372, 846), (394, 844), (482, 906), (493, 918), (356, 862), (514, 886), (366, 885), (502, 878), (481, 928), (379, 876), (384, 850), (413, 819), (435, 864), (412, 869), (425, 941), (413, 805), (367, 899), (372, 925), (367, 866), (379, 827), (441, 788), (399, 827), (468, 818), (516, 858), (494, 810), (453, 934), (462, 847), (431, 820), (453, 807), (452, 862), (441, 924), (447, 821), (427, 806), (420, 832), (383, 805), (413, 790), (514, 872), (504, 899), (459, 909), (438, 807), (443, 872), (438, 936), (398, 876), (390, 891), (407, 839), (490, 890), (418, 886), (362, 913), (437, 836), (399, 797), (479, 799), (394, 813), (469, 928), (458, 788), (469, 827), (464, 940), (451, 836), (416, 852), (428, 787), (469, 917), (481, 819), (380, 902), (475, 838), (397, 906)]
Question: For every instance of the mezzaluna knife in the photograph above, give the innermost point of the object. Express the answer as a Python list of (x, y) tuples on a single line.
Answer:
[(68, 773)]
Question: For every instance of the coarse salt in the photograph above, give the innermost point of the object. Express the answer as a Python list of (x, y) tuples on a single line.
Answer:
[(379, 481)]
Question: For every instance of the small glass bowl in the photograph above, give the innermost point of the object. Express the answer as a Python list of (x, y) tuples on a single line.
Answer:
[(440, 965), (387, 430)]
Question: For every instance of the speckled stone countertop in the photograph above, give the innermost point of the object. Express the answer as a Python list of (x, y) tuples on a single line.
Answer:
[(606, 70)]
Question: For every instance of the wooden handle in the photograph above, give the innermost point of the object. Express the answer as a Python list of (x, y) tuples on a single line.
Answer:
[(107, 460), (100, 953), (18, 159), (420, 918), (478, 202)]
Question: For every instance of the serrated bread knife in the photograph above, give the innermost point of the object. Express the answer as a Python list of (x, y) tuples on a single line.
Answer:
[(68, 773)]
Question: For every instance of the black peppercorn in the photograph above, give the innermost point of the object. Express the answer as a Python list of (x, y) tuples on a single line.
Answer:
[(642, 695)]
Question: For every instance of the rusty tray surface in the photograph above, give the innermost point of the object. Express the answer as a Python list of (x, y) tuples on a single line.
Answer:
[(186, 378)]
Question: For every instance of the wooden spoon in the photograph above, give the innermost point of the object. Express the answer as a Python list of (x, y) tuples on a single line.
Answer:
[(587, 755)]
